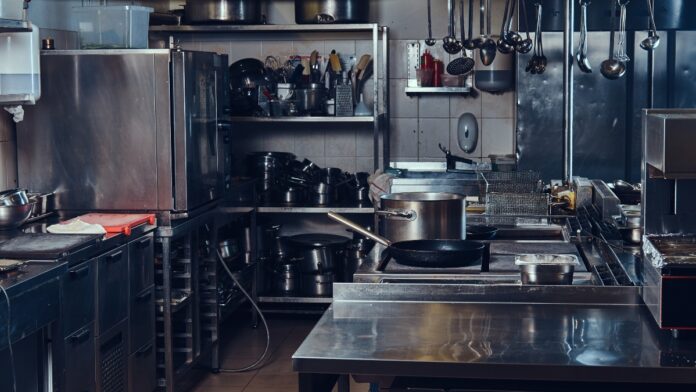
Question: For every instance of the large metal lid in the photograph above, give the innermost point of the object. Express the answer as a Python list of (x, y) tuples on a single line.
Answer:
[(318, 240)]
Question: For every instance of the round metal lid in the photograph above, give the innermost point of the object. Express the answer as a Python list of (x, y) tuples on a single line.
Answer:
[(318, 240)]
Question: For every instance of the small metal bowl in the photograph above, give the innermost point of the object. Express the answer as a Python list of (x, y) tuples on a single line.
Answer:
[(546, 269), (11, 217), (14, 197)]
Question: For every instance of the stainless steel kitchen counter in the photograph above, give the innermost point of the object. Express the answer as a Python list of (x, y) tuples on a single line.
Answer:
[(496, 341)]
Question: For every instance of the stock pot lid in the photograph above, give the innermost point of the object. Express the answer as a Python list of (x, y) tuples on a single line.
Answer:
[(317, 240)]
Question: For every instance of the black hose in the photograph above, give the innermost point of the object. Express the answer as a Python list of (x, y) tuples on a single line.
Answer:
[(261, 359)]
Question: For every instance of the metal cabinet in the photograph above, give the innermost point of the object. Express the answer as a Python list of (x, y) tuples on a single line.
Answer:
[(112, 359), (77, 303), (142, 371), (79, 360), (112, 296), (142, 319), (141, 266)]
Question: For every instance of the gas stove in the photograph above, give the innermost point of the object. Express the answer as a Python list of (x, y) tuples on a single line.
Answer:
[(496, 267)]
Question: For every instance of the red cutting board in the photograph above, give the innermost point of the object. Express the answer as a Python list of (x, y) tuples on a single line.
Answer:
[(118, 223)]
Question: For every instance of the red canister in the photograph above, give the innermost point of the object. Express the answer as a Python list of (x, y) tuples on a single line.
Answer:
[(426, 60), (438, 70)]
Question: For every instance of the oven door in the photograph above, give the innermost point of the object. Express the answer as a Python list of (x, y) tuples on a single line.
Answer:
[(194, 124)]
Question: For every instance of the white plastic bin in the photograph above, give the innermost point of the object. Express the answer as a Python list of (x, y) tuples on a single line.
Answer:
[(113, 27), (20, 80)]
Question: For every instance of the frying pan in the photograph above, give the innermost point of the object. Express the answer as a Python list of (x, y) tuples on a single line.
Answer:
[(424, 253), (480, 232)]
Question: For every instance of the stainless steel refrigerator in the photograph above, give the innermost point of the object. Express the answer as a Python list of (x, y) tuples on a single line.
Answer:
[(126, 130)]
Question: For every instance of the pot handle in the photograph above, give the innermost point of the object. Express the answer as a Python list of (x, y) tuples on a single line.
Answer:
[(405, 214), (345, 221)]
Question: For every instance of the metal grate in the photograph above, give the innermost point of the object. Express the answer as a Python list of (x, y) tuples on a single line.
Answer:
[(509, 182), (517, 204), (113, 365)]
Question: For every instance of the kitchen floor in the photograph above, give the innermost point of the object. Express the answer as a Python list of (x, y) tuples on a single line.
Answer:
[(241, 344)]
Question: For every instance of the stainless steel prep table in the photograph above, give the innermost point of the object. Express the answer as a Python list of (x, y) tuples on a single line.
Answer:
[(420, 335)]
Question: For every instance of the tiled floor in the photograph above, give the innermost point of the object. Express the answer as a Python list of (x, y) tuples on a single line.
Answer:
[(241, 345)]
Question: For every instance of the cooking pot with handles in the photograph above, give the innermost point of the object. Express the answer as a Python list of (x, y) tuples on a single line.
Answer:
[(331, 11), (422, 216)]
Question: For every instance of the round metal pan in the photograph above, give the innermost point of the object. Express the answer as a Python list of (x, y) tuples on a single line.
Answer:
[(424, 253), (480, 232)]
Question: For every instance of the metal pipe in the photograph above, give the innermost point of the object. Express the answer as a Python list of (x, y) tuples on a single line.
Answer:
[(568, 65)]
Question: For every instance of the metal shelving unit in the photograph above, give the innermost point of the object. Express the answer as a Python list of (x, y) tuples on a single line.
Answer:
[(380, 35), (270, 28), (302, 119), (315, 210), (294, 300)]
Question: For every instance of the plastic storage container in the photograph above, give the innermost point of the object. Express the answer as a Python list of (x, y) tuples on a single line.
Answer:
[(20, 80), (113, 27)]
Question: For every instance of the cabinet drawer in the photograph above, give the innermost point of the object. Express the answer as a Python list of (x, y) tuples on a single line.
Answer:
[(79, 360), (112, 360), (141, 260), (142, 376), (78, 297), (142, 318), (112, 281)]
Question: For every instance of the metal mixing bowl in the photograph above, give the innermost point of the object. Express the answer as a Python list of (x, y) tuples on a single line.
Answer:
[(13, 197), (12, 217)]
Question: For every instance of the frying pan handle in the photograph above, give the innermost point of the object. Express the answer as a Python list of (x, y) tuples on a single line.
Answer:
[(347, 222)]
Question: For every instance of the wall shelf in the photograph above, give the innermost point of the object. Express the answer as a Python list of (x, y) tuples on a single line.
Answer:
[(437, 90), (302, 119), (12, 26), (295, 300), (315, 210), (318, 28)]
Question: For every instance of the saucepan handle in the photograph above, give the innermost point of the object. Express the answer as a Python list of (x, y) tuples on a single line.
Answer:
[(404, 214), (349, 223)]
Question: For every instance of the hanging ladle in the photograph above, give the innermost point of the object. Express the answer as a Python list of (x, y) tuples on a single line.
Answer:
[(430, 41), (468, 42), (488, 47), (524, 45), (612, 68), (581, 55), (504, 46), (450, 42), (653, 39)]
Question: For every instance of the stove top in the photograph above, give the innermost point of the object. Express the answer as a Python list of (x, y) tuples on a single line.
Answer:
[(497, 267)]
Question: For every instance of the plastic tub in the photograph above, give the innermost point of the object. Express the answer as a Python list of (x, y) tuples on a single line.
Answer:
[(20, 80), (113, 27)]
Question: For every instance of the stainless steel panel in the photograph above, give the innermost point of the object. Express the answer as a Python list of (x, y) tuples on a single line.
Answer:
[(194, 108), (670, 141), (100, 134), (599, 115), (684, 70)]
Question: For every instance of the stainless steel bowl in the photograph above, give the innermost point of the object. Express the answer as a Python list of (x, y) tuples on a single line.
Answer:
[(546, 269), (14, 197), (12, 217)]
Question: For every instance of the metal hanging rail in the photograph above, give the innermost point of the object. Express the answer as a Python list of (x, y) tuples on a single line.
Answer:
[(568, 71)]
